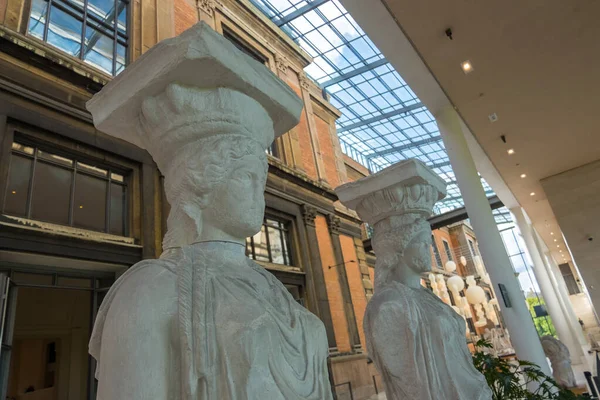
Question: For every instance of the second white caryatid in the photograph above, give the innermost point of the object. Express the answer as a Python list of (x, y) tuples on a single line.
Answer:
[(204, 322), (416, 341)]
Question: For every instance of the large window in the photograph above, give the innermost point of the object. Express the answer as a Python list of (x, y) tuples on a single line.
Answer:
[(94, 31), (436, 253), (272, 243), (54, 187), (472, 247), (569, 278), (447, 250)]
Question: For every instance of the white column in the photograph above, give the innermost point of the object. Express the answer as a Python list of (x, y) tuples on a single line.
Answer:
[(564, 298), (518, 320), (547, 287)]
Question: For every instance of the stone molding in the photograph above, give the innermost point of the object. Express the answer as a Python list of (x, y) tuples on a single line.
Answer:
[(209, 6), (309, 214), (282, 63), (334, 223), (304, 81)]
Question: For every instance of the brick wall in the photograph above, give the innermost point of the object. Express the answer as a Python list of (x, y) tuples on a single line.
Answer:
[(327, 152), (185, 15), (439, 236), (357, 290), (332, 283), (306, 151)]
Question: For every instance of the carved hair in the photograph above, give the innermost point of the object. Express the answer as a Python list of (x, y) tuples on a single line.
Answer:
[(390, 239), (191, 178)]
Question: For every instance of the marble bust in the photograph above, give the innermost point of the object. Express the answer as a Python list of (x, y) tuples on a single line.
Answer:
[(204, 322), (560, 358), (416, 341)]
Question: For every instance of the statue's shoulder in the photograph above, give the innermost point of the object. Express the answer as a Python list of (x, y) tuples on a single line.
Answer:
[(394, 300), (147, 278)]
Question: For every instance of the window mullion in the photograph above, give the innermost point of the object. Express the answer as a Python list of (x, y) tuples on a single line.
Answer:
[(72, 200), (116, 38), (47, 26), (266, 225), (84, 26), (283, 246), (107, 207), (31, 179)]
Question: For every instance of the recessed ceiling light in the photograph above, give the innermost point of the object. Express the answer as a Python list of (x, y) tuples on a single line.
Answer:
[(511, 151), (558, 245), (80, 206), (532, 194), (14, 192), (466, 66), (555, 240), (552, 233), (523, 176)]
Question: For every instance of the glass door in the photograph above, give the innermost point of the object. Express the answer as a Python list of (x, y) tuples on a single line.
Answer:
[(8, 302)]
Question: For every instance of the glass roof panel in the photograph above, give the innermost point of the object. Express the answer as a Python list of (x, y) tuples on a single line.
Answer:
[(383, 120)]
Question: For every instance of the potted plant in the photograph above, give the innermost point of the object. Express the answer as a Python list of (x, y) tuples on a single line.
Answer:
[(509, 380)]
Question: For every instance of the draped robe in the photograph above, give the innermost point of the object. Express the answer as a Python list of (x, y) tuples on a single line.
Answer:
[(418, 345), (206, 323)]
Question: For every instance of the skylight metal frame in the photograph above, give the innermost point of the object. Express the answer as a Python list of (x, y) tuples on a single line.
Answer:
[(383, 121)]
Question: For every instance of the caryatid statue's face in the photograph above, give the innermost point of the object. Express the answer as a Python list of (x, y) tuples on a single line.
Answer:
[(238, 201), (417, 255)]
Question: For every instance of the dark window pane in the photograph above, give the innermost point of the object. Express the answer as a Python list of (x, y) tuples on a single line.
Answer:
[(448, 251), (117, 209), (98, 50), (18, 186), (51, 193), (42, 155), (37, 18), (89, 207), (65, 32)]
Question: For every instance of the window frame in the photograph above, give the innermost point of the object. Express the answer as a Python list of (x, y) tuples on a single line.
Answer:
[(448, 250), (288, 231), (472, 248), (20, 137), (436, 253), (88, 21)]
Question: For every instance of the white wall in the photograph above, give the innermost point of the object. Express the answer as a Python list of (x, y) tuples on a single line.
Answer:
[(574, 196)]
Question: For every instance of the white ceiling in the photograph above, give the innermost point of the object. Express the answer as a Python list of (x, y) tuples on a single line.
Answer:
[(536, 65)]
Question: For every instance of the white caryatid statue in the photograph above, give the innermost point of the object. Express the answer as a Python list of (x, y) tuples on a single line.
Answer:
[(204, 322), (560, 358), (416, 341)]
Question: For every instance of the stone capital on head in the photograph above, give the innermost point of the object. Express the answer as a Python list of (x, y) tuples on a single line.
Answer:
[(408, 187), (190, 87)]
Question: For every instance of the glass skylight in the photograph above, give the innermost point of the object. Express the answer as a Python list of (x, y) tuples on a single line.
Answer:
[(383, 121)]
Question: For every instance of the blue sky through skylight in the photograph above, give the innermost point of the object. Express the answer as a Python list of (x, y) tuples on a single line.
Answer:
[(383, 120)]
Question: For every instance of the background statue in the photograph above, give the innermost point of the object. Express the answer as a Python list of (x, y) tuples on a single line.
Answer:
[(204, 322), (560, 358), (416, 341)]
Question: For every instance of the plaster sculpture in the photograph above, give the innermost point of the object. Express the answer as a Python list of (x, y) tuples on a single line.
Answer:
[(501, 345), (560, 359), (416, 341), (204, 321)]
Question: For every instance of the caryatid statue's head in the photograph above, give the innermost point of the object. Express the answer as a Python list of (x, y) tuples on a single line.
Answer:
[(214, 162), (396, 202), (206, 112)]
